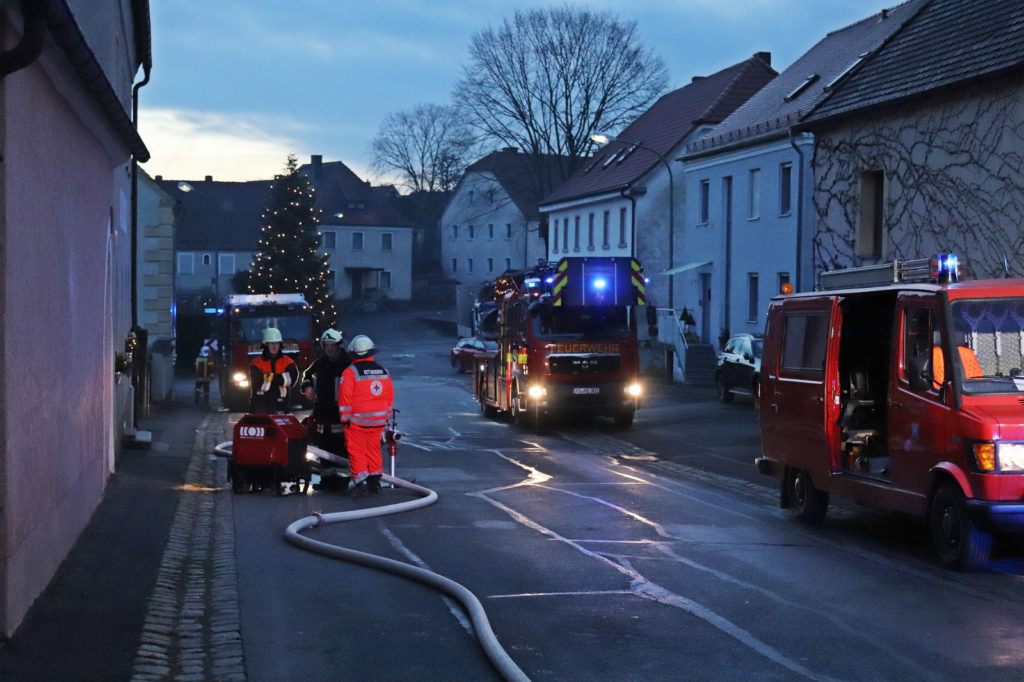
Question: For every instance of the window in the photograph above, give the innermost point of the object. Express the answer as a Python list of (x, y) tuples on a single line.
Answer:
[(490, 196), (455, 265), (607, 220), (869, 233), (469, 265), (472, 195), (471, 231), (622, 228), (455, 231), (327, 239), (490, 231), (226, 264), (576, 236), (565, 235), (332, 279), (590, 232), (357, 241), (804, 341), (385, 279), (783, 279), (785, 189), (705, 196), (755, 194), (508, 230), (490, 265), (751, 297), (207, 259), (508, 264), (385, 241), (554, 238), (186, 263)]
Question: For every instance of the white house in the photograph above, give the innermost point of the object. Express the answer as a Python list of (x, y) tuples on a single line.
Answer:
[(750, 218)]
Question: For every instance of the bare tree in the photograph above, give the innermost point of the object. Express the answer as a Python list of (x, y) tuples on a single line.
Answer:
[(547, 79), (429, 147)]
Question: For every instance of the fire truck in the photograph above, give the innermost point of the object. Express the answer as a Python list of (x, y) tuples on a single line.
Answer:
[(900, 386), (567, 342), (240, 326)]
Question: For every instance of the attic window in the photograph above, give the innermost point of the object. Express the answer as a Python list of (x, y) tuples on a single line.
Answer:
[(627, 152), (856, 62), (611, 159), (803, 86)]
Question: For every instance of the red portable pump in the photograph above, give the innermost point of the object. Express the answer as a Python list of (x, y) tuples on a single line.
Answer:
[(268, 450)]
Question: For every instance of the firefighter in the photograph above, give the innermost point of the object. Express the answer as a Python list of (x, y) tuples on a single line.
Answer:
[(204, 371), (320, 386), (271, 376), (365, 399)]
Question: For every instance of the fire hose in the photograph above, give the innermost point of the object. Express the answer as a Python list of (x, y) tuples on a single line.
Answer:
[(474, 609)]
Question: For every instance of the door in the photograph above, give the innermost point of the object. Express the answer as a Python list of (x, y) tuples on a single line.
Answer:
[(918, 419), (800, 405), (705, 307)]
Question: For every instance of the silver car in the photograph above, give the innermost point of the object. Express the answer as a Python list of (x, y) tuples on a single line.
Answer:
[(739, 367)]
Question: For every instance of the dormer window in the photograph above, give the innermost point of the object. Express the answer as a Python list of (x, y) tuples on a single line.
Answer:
[(803, 86)]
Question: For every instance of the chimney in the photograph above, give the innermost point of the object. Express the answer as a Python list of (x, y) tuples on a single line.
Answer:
[(317, 162), (158, 178), (208, 178), (765, 57), (511, 150), (697, 78)]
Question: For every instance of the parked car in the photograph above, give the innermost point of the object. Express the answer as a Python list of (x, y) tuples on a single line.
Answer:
[(466, 352), (739, 367)]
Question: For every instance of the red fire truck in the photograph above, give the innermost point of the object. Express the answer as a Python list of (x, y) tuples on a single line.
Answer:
[(240, 333), (901, 387), (567, 342)]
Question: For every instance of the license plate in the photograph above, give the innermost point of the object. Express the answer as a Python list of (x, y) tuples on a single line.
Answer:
[(585, 390)]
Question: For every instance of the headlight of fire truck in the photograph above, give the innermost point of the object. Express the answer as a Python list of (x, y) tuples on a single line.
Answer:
[(536, 391), (240, 379), (993, 457), (634, 390)]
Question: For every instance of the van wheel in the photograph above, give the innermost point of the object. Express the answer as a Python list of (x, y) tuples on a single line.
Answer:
[(807, 503), (724, 394), (959, 542)]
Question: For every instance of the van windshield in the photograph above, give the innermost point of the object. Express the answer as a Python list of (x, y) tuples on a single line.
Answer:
[(292, 327), (988, 335)]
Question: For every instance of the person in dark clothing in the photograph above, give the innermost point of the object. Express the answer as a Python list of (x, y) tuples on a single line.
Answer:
[(320, 385), (271, 376)]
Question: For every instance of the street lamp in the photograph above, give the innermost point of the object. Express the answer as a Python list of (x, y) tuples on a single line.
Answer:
[(602, 140)]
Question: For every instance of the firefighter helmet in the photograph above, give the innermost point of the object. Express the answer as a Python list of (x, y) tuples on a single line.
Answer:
[(204, 351), (361, 345), (271, 335), (331, 336)]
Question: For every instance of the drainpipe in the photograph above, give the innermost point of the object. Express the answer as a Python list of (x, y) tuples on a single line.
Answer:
[(33, 37), (135, 200), (799, 211)]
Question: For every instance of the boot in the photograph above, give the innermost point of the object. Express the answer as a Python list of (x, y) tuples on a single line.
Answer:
[(373, 483)]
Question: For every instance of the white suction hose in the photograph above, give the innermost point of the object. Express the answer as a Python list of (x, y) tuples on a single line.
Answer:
[(481, 626)]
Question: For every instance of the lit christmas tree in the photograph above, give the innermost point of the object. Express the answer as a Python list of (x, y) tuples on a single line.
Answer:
[(289, 259)]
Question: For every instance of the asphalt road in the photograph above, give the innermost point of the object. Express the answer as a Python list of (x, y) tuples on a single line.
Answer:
[(651, 553)]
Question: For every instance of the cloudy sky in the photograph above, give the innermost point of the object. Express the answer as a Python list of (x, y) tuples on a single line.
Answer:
[(238, 84)]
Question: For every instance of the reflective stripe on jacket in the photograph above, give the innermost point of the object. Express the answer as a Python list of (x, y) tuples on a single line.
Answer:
[(365, 395)]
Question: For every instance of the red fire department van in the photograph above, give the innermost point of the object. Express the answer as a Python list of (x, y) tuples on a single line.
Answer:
[(240, 327), (900, 387), (567, 342)]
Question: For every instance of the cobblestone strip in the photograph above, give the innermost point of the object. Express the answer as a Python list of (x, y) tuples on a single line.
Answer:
[(192, 629)]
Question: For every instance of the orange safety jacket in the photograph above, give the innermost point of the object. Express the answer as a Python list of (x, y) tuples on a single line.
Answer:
[(266, 372), (365, 395)]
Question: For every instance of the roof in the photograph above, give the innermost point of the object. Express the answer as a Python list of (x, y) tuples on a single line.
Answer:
[(802, 86), (660, 129), (526, 177), (227, 216), (217, 216), (946, 44)]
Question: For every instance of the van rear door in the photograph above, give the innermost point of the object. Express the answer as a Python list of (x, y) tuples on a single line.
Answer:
[(799, 405)]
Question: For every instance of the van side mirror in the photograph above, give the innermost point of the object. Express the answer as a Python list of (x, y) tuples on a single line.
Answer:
[(920, 373)]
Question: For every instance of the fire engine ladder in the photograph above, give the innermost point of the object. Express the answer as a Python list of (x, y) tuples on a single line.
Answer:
[(913, 270)]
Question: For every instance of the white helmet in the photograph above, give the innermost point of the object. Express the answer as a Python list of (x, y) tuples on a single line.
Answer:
[(204, 351), (331, 336), (361, 345), (271, 335)]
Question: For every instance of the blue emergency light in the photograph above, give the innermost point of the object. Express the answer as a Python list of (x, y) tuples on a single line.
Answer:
[(946, 268), (599, 283)]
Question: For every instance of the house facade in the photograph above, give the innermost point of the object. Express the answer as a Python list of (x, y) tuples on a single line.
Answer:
[(750, 216), (370, 261), (155, 284), (628, 199), (919, 151), (491, 223), (66, 396)]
